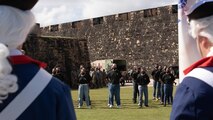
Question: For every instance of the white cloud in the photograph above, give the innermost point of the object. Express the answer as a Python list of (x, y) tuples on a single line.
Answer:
[(54, 15), (49, 12)]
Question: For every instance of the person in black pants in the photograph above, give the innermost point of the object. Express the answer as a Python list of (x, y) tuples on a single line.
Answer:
[(134, 76)]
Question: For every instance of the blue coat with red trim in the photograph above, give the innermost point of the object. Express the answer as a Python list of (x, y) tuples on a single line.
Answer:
[(54, 102), (193, 100)]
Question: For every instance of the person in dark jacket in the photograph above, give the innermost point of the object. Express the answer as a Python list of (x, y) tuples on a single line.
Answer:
[(113, 77), (154, 81), (83, 88), (58, 74), (168, 80), (162, 84), (142, 81), (157, 78), (134, 76)]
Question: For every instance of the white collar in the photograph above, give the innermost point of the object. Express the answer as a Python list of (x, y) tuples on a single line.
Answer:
[(15, 52), (210, 52)]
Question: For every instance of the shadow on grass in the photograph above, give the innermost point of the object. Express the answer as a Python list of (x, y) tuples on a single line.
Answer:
[(126, 104)]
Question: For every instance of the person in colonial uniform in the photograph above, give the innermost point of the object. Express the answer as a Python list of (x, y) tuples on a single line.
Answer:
[(194, 95), (27, 91)]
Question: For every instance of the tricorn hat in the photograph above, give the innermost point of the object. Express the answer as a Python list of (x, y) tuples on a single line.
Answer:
[(201, 9), (20, 4)]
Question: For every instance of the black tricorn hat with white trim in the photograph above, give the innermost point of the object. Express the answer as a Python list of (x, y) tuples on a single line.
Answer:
[(203, 8), (20, 4)]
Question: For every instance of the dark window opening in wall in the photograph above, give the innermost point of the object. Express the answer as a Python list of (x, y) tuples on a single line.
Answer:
[(123, 17), (53, 28), (147, 13), (76, 24), (46, 28), (150, 12), (97, 21), (174, 8), (154, 12)]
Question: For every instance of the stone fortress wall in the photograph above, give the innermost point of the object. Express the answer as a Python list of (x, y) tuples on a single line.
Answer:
[(143, 38)]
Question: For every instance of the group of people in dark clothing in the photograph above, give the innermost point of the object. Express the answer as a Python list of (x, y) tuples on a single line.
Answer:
[(113, 78), (98, 77), (163, 80)]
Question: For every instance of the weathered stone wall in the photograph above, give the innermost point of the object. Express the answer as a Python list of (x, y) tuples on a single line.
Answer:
[(66, 52), (141, 37)]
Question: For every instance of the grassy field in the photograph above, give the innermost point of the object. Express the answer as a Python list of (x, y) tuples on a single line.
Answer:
[(129, 111)]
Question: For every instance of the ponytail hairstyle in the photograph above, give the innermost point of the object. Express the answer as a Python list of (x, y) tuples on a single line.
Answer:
[(8, 82), (15, 25)]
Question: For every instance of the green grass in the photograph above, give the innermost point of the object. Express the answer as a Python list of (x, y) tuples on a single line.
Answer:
[(129, 111)]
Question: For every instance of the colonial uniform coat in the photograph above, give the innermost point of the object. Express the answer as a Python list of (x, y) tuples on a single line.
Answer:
[(194, 96), (53, 103)]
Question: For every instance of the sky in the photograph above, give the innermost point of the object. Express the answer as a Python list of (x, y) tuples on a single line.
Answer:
[(50, 12)]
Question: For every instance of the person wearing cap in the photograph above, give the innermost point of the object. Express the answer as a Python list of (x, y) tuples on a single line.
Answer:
[(194, 95), (27, 91)]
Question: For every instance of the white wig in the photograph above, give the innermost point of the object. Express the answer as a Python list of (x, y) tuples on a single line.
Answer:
[(15, 25), (14, 28), (202, 27)]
